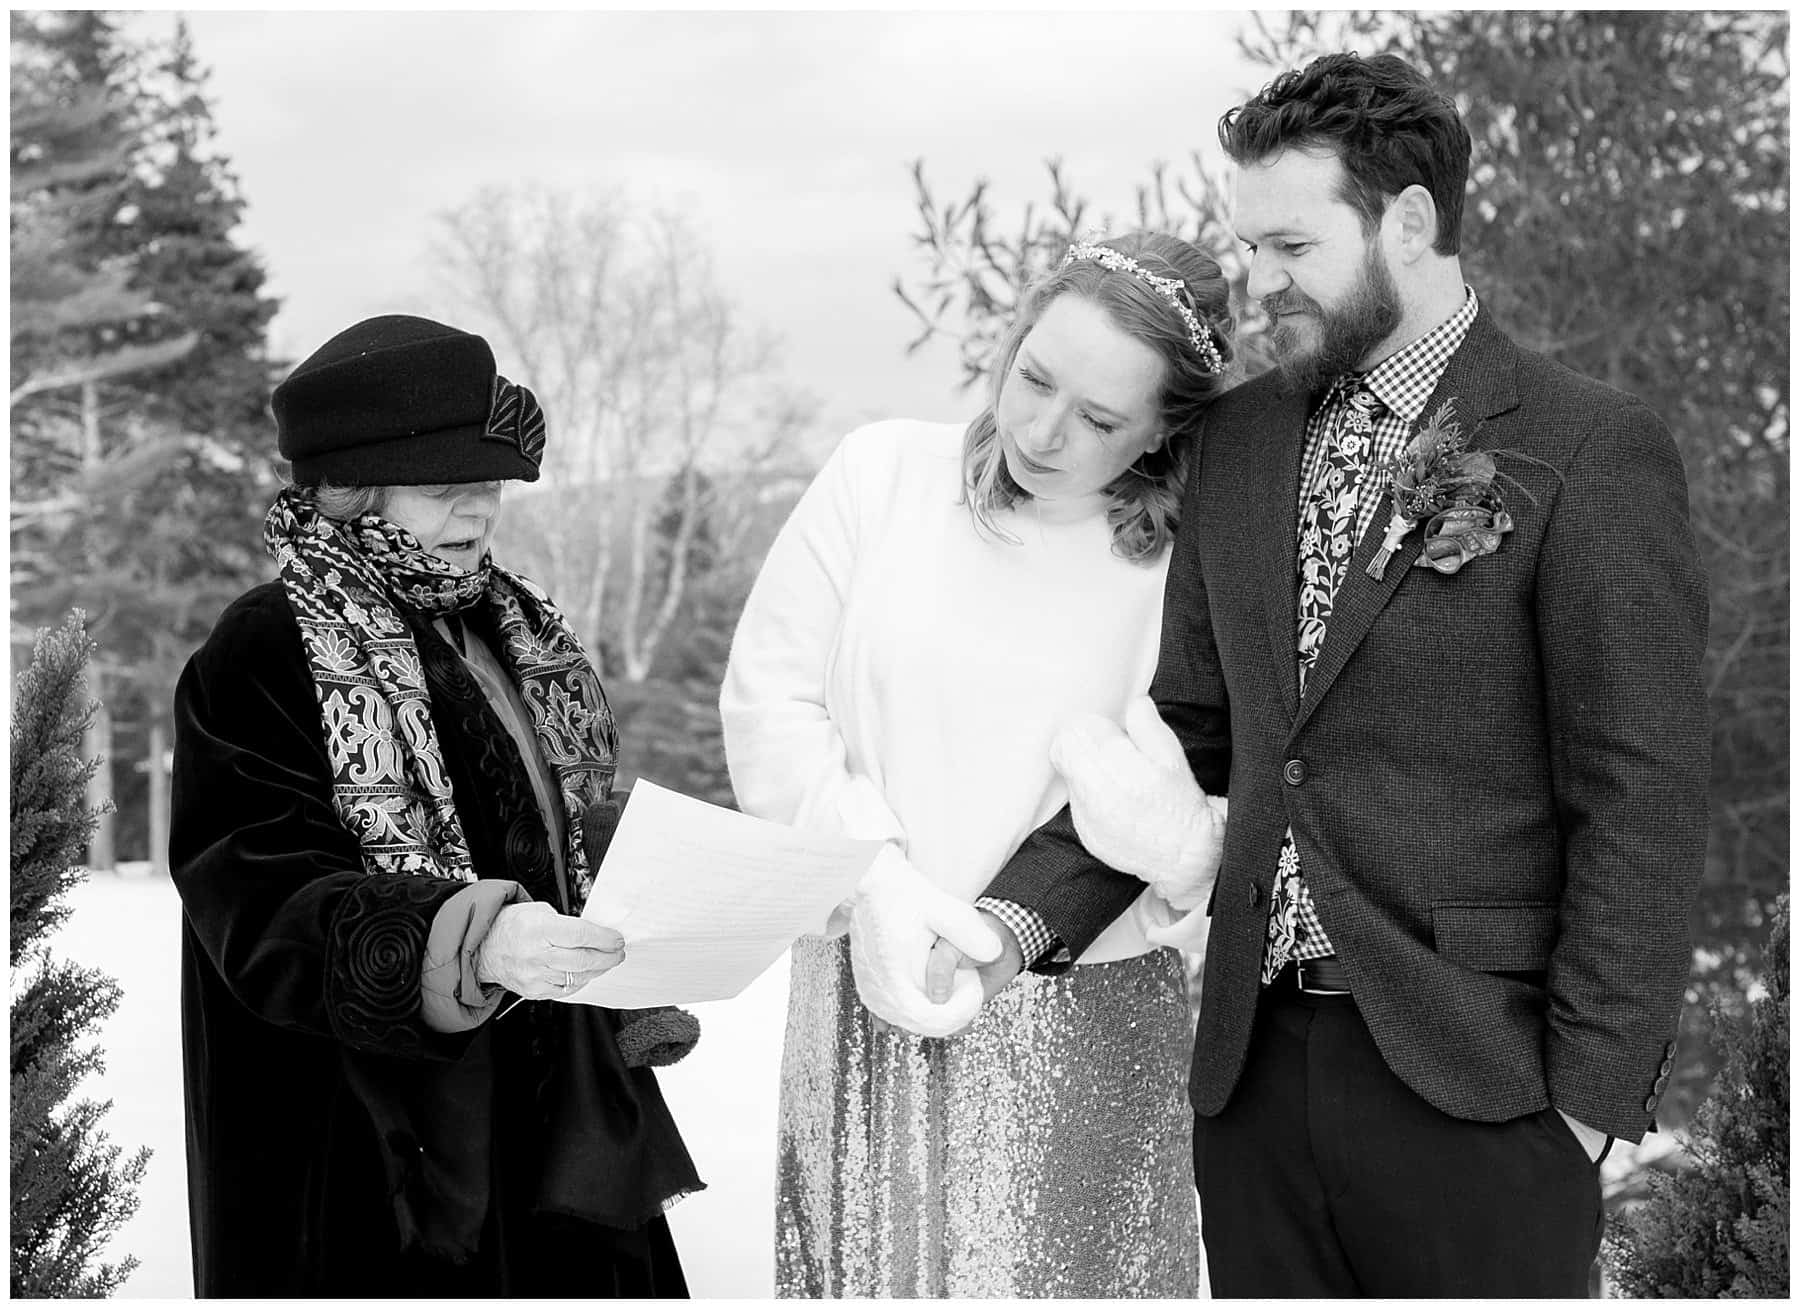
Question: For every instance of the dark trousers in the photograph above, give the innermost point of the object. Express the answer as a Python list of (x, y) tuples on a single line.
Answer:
[(1326, 1175)]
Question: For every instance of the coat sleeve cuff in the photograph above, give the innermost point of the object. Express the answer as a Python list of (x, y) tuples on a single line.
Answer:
[(1598, 1090), (1036, 940), (450, 996)]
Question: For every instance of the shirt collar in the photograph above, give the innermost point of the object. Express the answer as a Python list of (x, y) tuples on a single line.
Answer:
[(1405, 380)]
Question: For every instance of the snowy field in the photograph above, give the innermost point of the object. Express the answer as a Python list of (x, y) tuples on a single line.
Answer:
[(722, 1095)]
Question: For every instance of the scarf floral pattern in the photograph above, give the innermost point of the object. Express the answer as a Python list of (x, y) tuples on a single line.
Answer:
[(348, 583)]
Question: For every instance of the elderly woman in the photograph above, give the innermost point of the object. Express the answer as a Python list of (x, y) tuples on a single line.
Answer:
[(384, 765)]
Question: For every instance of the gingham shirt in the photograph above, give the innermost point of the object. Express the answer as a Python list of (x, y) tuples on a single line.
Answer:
[(1403, 382), (1036, 940)]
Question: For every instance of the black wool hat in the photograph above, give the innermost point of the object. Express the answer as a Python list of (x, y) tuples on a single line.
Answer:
[(403, 401)]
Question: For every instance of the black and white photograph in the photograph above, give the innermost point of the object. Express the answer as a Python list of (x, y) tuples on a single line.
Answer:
[(861, 653)]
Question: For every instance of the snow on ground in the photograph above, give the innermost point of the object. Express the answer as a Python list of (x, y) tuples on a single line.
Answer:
[(722, 1095)]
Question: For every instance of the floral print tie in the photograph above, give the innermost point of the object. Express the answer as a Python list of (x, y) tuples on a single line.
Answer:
[(1327, 538)]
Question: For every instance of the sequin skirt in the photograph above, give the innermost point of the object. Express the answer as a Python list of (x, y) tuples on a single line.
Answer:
[(1046, 1152)]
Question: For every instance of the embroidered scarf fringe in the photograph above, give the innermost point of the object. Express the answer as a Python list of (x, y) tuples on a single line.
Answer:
[(347, 583)]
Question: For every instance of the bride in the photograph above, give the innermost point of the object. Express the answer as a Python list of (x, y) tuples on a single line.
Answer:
[(940, 604)]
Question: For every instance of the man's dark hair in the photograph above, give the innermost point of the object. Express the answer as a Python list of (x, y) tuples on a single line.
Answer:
[(1389, 126)]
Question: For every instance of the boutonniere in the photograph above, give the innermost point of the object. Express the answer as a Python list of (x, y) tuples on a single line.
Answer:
[(1437, 480)]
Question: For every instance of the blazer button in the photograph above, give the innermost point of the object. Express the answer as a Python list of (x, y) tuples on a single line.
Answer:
[(1668, 1066), (1255, 895), (1293, 772), (1650, 1105), (1660, 1084)]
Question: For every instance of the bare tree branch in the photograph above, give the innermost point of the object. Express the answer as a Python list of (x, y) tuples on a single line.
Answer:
[(647, 382)]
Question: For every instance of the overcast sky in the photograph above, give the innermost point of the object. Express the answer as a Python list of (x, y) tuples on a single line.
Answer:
[(786, 137)]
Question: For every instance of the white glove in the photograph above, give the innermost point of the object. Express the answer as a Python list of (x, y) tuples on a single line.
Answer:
[(1136, 805), (896, 919)]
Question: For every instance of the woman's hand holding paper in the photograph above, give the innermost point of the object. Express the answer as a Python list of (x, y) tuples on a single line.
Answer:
[(534, 951)]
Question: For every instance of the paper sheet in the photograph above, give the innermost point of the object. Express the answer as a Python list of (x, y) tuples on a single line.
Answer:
[(707, 898)]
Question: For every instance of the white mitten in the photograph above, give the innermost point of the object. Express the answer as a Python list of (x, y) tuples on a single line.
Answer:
[(1137, 806), (897, 917)]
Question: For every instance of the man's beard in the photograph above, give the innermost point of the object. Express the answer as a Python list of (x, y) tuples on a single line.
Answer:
[(1347, 332)]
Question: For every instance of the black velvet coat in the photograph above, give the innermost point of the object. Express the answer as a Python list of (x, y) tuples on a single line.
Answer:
[(336, 1144)]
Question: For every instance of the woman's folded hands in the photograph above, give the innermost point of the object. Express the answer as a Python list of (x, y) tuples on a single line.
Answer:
[(897, 917)]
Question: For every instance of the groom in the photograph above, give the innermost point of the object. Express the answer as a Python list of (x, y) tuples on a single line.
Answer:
[(1467, 782)]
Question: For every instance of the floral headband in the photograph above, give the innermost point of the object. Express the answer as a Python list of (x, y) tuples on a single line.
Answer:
[(1200, 335)]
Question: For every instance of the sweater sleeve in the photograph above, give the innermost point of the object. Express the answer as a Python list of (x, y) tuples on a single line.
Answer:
[(272, 883), (787, 757)]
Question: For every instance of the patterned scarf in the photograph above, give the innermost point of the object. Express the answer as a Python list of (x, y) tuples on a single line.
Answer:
[(347, 582)]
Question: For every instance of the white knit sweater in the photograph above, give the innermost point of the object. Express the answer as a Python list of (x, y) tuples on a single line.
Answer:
[(898, 675)]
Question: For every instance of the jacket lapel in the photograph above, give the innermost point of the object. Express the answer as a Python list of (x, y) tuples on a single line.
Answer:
[(1276, 531), (1480, 379)]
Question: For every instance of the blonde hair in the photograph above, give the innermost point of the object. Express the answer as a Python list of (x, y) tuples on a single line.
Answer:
[(1145, 499)]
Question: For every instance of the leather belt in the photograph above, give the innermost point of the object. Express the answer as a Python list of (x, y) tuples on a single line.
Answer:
[(1315, 976), (1327, 977)]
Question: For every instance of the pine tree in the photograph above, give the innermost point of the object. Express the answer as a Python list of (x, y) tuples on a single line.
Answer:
[(187, 208), (70, 1189), (196, 514), (1720, 1227), (72, 308), (142, 493), (75, 318)]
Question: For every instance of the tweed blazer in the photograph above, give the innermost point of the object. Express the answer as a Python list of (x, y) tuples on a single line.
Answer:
[(1496, 780)]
